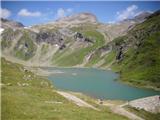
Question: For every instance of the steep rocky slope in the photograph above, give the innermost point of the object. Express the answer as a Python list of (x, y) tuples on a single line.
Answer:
[(138, 53)]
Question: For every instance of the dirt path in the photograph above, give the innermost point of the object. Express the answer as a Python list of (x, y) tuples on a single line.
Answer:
[(76, 100), (118, 109)]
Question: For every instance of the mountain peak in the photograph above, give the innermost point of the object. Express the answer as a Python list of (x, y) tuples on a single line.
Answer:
[(81, 17), (77, 19)]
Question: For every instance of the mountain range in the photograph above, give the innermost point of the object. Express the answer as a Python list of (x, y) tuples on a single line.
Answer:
[(130, 47)]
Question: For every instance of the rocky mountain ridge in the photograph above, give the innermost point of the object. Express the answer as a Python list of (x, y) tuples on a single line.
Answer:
[(78, 19), (10, 24), (71, 32)]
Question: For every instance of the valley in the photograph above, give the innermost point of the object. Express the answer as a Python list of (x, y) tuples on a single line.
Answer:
[(89, 43), (79, 68)]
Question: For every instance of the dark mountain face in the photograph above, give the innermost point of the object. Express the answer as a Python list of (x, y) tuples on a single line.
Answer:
[(10, 24)]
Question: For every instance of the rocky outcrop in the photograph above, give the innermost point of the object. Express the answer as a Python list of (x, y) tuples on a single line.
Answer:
[(80, 37), (50, 37), (119, 53), (62, 47)]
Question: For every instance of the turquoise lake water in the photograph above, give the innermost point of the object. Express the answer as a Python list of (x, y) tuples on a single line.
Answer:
[(96, 83)]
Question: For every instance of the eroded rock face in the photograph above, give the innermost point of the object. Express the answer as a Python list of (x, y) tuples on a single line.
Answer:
[(119, 53), (49, 37), (78, 35)]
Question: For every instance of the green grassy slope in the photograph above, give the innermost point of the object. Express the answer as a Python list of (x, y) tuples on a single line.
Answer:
[(33, 98), (44, 49), (96, 56), (77, 56), (109, 58), (141, 63)]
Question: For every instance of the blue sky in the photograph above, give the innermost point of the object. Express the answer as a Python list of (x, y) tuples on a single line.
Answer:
[(34, 12)]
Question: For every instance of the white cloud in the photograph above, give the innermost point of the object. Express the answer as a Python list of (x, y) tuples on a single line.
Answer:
[(26, 13), (129, 12), (5, 13), (60, 13), (63, 12)]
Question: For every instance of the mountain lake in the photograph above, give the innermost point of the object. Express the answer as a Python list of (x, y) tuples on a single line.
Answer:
[(96, 83)]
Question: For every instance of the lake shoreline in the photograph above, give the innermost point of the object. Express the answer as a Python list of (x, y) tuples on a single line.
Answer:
[(44, 73), (140, 86), (105, 69), (97, 83)]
